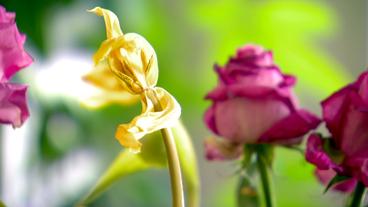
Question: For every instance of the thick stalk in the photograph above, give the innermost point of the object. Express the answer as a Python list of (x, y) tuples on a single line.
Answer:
[(174, 168), (358, 195), (265, 175), (172, 158)]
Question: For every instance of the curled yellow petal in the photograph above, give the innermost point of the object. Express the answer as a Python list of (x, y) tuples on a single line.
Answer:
[(108, 88), (132, 60), (109, 45), (132, 56), (111, 22), (103, 98), (142, 58), (136, 56), (150, 119), (102, 77)]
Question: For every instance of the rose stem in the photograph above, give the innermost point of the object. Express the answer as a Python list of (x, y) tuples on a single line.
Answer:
[(265, 179), (358, 195), (172, 158)]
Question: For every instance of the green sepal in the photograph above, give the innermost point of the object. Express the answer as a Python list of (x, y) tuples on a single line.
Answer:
[(248, 152), (335, 180), (329, 146), (266, 151), (247, 194)]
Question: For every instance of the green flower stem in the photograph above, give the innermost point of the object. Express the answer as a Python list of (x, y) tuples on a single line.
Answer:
[(172, 158), (265, 175), (174, 168), (358, 195)]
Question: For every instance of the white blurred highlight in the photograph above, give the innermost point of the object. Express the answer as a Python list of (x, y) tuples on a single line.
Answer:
[(61, 78), (26, 182)]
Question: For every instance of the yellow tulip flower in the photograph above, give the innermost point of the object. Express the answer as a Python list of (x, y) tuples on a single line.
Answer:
[(126, 65)]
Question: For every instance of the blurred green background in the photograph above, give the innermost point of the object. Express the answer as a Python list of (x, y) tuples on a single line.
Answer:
[(58, 155)]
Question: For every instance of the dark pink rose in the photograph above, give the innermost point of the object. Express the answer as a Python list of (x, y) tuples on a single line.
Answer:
[(325, 176), (346, 116), (254, 102), (13, 57)]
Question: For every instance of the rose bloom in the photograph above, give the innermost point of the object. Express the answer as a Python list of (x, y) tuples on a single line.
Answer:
[(254, 103), (13, 105), (346, 116)]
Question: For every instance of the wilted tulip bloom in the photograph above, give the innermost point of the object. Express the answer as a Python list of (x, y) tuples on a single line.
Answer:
[(254, 103), (13, 57), (346, 116), (126, 68)]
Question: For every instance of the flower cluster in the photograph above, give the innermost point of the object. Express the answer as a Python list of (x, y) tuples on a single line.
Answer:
[(344, 152), (254, 104), (13, 57)]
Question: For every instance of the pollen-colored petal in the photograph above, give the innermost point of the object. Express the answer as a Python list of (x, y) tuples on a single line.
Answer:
[(109, 89), (13, 104), (132, 58), (107, 46), (150, 120), (143, 57), (111, 22), (102, 77), (103, 98)]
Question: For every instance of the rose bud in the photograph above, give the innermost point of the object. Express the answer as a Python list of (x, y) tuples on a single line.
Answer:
[(254, 102)]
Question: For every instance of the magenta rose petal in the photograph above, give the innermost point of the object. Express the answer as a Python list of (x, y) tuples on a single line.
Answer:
[(209, 119), (6, 16), (244, 120), (316, 155), (363, 90), (293, 126), (333, 110), (364, 172), (325, 176), (354, 136), (14, 57), (13, 108), (218, 94)]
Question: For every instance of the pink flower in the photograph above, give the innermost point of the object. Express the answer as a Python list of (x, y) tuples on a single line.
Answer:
[(325, 176), (254, 102), (13, 105), (346, 116)]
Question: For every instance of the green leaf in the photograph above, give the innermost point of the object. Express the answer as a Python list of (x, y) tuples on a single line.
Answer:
[(188, 164), (153, 155), (335, 180), (125, 164), (248, 152), (247, 195)]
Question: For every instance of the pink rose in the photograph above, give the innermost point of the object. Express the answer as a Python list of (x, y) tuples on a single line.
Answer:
[(13, 105), (325, 176), (254, 102), (346, 116)]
